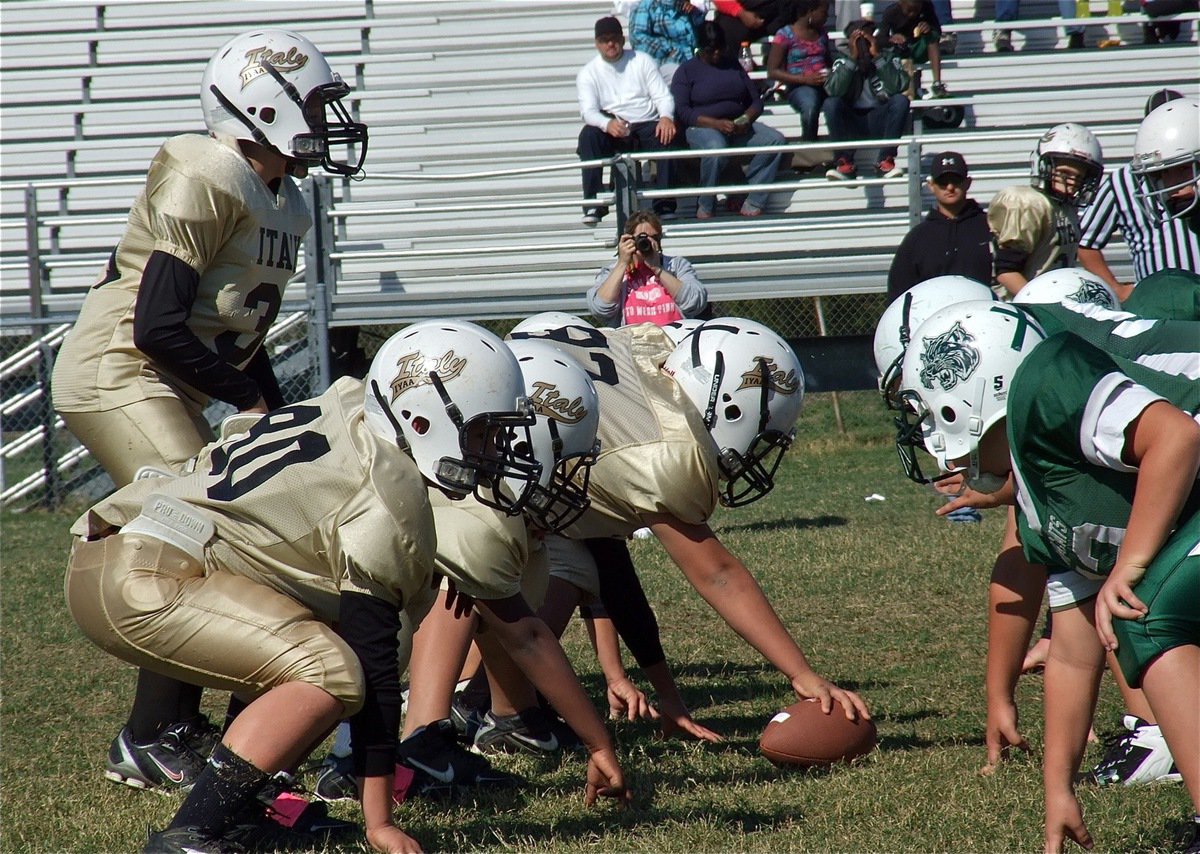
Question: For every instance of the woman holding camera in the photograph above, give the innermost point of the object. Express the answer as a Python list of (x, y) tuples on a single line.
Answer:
[(642, 285)]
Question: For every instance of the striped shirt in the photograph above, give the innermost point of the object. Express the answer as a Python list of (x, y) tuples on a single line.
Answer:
[(1153, 247)]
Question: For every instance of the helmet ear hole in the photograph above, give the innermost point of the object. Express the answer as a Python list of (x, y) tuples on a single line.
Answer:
[(267, 115), (733, 412), (420, 424), (949, 415)]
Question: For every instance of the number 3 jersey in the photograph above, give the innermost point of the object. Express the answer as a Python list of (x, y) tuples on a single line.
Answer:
[(656, 456), (204, 205), (1069, 409), (309, 502)]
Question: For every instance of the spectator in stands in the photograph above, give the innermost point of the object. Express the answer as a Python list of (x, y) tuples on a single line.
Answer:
[(949, 41), (800, 58), (180, 313), (643, 285), (626, 106), (719, 105), (866, 99), (1154, 245), (913, 26), (666, 31), (1010, 10), (952, 241), (749, 20), (1035, 228), (1165, 31)]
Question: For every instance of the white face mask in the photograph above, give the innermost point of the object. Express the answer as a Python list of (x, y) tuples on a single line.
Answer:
[(986, 482)]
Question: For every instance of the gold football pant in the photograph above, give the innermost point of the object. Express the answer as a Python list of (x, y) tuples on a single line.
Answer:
[(150, 603), (158, 432)]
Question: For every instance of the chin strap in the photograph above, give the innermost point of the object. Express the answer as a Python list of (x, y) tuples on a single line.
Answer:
[(391, 416), (259, 136)]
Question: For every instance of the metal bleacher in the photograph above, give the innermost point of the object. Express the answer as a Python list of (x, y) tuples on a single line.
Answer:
[(471, 204), (89, 90)]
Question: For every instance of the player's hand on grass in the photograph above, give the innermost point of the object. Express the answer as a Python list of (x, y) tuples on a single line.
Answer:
[(390, 839), (605, 779), (1064, 821), (955, 485), (626, 700), (1002, 735), (1117, 599), (677, 721), (677, 718), (810, 686)]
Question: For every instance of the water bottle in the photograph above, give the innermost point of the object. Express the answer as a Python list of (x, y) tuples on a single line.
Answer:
[(745, 59)]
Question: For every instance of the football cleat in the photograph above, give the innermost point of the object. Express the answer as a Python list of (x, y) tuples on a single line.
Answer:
[(335, 780), (282, 816), (172, 761), (466, 719), (531, 731), (188, 840), (442, 766), (1138, 755)]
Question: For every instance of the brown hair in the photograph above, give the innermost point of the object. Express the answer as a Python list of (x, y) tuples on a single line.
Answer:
[(638, 218)]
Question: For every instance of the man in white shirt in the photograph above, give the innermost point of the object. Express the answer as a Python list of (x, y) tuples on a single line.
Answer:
[(625, 106)]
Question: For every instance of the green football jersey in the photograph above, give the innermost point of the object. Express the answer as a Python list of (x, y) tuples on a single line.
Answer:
[(1169, 294), (1166, 346), (1073, 493)]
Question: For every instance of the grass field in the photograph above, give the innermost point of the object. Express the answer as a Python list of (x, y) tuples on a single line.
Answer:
[(883, 597)]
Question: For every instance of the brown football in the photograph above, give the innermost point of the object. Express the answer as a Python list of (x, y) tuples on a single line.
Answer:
[(802, 735)]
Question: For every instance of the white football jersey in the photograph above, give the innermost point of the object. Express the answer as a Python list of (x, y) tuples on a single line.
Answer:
[(309, 502), (204, 205), (656, 456)]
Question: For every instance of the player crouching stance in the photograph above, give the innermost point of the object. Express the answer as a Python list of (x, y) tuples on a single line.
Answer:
[(683, 428), (1104, 451), (285, 565)]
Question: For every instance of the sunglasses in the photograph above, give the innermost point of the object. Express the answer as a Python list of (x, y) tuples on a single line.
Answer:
[(950, 181)]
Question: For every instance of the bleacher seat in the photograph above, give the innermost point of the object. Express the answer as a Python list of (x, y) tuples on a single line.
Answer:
[(445, 96)]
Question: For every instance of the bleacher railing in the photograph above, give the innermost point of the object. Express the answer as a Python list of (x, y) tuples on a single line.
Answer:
[(40, 458)]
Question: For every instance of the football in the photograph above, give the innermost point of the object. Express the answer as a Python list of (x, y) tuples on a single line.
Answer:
[(803, 736)]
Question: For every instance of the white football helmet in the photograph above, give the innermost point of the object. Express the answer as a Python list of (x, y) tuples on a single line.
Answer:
[(677, 330), (564, 436), (1167, 138), (748, 384), (957, 377), (548, 321), (1068, 284), (1068, 144), (275, 88), (451, 393), (908, 311)]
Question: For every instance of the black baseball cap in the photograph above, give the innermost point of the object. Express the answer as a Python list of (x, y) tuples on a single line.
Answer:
[(947, 163), (609, 26)]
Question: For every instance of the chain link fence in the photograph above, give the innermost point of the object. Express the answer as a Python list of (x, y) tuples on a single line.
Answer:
[(35, 470)]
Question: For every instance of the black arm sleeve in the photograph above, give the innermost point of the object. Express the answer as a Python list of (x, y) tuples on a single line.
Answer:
[(625, 600), (1010, 260), (369, 625), (160, 330), (259, 369)]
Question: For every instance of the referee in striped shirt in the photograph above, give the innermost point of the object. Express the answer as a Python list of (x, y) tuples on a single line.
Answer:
[(1154, 247)]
